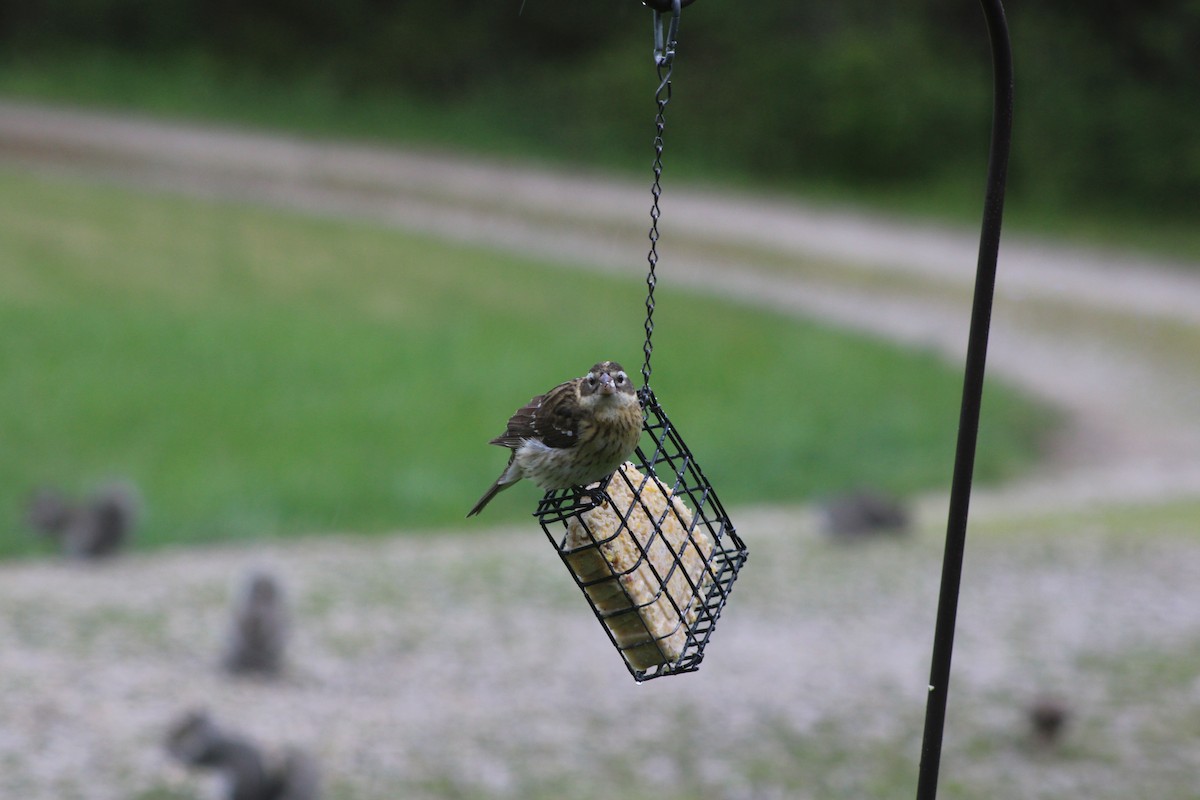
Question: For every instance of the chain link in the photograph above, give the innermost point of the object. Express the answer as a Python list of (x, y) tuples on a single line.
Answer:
[(661, 97)]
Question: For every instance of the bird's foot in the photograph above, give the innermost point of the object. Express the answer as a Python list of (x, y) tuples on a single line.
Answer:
[(586, 498)]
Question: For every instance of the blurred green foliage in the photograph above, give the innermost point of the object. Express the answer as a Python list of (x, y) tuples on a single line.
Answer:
[(786, 92)]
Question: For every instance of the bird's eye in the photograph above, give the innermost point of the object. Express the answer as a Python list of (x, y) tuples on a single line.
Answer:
[(620, 378), (591, 379)]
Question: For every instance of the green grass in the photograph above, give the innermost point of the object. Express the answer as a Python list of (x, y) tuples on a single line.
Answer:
[(262, 373), (1177, 519)]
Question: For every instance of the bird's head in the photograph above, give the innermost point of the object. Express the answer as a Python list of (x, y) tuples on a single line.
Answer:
[(606, 379)]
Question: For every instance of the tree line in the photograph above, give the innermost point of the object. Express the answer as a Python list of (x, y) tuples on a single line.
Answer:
[(783, 90)]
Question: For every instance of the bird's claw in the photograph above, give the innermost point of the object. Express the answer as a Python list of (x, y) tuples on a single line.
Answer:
[(587, 498)]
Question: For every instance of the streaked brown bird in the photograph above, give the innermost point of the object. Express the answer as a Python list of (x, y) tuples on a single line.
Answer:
[(574, 434)]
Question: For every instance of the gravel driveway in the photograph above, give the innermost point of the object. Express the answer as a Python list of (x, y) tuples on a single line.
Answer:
[(469, 667)]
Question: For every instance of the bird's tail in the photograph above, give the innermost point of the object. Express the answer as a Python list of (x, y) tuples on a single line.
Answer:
[(488, 495)]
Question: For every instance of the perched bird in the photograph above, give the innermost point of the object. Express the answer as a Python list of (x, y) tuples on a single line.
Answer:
[(574, 434)]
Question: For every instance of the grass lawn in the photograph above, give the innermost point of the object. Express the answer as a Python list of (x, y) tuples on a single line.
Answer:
[(257, 372)]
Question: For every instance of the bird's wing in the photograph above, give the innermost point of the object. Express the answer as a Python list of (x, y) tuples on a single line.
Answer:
[(552, 418), (521, 425)]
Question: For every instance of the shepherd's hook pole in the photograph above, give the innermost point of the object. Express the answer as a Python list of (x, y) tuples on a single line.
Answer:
[(968, 425)]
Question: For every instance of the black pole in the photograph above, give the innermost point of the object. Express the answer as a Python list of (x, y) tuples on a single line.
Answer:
[(968, 426), (665, 5)]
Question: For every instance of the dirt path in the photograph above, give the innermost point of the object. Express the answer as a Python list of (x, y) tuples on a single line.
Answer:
[(1107, 337)]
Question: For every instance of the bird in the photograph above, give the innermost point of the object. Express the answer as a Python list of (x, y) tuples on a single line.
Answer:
[(1048, 718), (258, 633), (94, 528), (864, 512), (250, 773), (575, 434)]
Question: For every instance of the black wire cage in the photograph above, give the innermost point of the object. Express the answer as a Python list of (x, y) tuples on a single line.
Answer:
[(652, 549)]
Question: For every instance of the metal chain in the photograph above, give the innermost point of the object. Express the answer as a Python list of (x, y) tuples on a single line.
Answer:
[(664, 58)]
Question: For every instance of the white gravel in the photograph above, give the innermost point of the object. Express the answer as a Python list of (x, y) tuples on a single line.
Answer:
[(470, 666)]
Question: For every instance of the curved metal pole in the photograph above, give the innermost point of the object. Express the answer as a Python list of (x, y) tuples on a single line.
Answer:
[(665, 5), (968, 426)]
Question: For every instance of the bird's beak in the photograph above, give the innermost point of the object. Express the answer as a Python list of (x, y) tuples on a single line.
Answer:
[(606, 384)]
